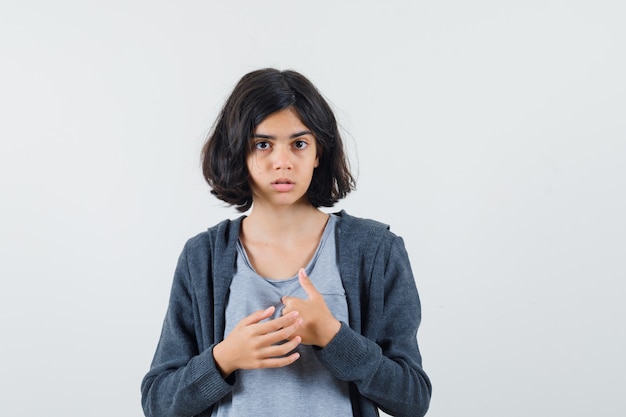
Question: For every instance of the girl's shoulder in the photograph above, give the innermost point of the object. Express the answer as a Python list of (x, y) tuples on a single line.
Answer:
[(360, 224), (220, 235), (359, 230)]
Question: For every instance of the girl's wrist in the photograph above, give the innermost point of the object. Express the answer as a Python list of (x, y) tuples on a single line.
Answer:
[(221, 362), (330, 331)]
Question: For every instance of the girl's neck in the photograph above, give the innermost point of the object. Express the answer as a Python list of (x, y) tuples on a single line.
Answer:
[(283, 223)]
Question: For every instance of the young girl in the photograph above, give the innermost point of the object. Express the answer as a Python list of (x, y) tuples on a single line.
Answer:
[(288, 311)]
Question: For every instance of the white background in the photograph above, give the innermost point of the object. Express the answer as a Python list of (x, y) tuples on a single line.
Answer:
[(491, 135)]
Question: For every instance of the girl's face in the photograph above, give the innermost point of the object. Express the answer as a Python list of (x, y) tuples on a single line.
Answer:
[(282, 160)]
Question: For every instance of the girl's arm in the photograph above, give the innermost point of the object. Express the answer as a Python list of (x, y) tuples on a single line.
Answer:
[(386, 370), (182, 381)]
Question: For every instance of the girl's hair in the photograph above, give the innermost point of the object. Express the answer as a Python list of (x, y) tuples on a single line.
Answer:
[(257, 95)]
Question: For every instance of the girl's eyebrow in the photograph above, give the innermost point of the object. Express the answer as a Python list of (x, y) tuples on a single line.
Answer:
[(295, 135)]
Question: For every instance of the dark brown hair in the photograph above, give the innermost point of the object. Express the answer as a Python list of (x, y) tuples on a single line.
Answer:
[(257, 95)]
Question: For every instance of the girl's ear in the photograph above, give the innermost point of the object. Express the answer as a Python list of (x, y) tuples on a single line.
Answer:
[(317, 157)]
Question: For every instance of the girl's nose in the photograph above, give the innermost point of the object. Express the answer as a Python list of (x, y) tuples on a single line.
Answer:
[(282, 158)]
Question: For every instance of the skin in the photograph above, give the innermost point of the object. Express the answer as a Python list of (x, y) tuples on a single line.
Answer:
[(318, 326), (283, 148), (280, 235)]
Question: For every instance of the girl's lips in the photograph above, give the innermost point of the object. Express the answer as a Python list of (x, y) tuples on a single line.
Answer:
[(283, 185)]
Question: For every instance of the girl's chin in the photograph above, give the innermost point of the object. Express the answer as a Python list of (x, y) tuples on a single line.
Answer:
[(282, 203)]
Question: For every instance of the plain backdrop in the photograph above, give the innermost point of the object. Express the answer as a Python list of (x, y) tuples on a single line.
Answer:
[(491, 135)]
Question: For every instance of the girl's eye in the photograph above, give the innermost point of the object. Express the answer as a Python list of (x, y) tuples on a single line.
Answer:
[(300, 144), (262, 145)]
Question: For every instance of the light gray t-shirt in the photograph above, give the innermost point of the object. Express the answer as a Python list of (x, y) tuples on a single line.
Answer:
[(304, 388)]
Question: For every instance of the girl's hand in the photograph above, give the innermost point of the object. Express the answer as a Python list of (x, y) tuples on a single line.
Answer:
[(319, 326), (253, 345)]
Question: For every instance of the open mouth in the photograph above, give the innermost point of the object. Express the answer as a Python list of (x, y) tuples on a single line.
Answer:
[(282, 181)]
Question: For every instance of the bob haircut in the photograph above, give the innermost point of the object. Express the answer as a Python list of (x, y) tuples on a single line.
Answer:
[(257, 95)]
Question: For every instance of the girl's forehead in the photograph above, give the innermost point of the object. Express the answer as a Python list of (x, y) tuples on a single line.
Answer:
[(282, 121)]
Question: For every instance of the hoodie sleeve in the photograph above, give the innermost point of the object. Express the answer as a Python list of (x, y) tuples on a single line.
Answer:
[(182, 381), (386, 366)]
